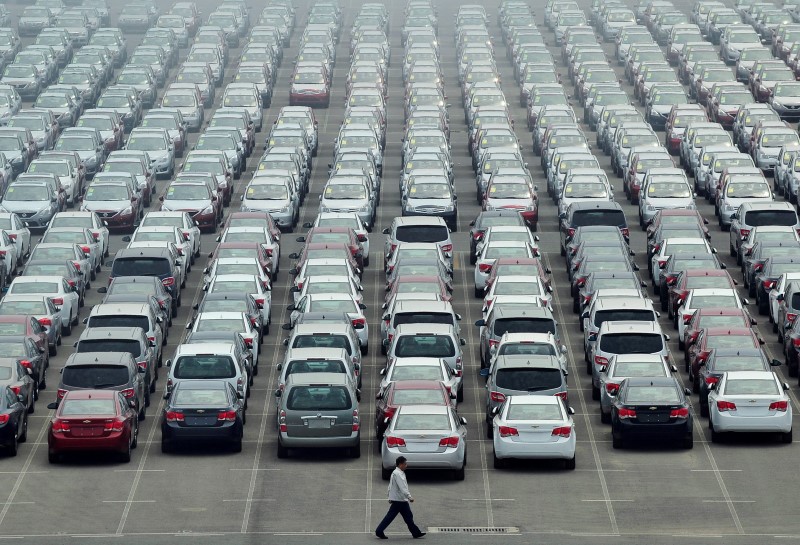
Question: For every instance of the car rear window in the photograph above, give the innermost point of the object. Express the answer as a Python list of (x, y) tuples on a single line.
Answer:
[(524, 411), (315, 366), (632, 343), (204, 367), (111, 345), (758, 218), (423, 318), (738, 363), (623, 315), (527, 349), (417, 397), (318, 398), (10, 328), (582, 218), (422, 233), (119, 320), (657, 395), (95, 376), (427, 346), (416, 372), (528, 379), (140, 266), (93, 407), (205, 398), (322, 341), (524, 325), (751, 387), (639, 369), (720, 320)]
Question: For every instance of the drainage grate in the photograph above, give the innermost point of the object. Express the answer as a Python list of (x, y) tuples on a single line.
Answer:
[(473, 530)]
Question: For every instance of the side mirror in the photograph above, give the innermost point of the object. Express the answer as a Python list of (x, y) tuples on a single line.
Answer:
[(495, 411), (385, 231), (480, 323), (291, 307), (52, 406), (278, 392)]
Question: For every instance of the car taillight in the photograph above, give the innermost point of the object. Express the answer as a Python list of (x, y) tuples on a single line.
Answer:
[(612, 388), (57, 301), (77, 265), (580, 282), (142, 365), (300, 285), (687, 318), (497, 397), (86, 250), (362, 237), (227, 416), (711, 380), (683, 412), (180, 251), (128, 392), (168, 281), (12, 236), (356, 420), (768, 284), (151, 339), (269, 252), (174, 416), (393, 248), (71, 283), (186, 235), (447, 248), (600, 360), (59, 426), (493, 342), (359, 323), (626, 413), (723, 406), (507, 431), (26, 363), (114, 425), (478, 235), (260, 302), (485, 268), (61, 393), (248, 341), (656, 248), (392, 441), (45, 321), (661, 263), (388, 412), (625, 232), (95, 235), (782, 406), (282, 422), (449, 442), (790, 316), (562, 431), (571, 232), (758, 267), (16, 389), (744, 232)]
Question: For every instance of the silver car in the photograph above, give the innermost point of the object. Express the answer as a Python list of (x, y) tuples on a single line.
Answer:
[(276, 195), (348, 195), (428, 436)]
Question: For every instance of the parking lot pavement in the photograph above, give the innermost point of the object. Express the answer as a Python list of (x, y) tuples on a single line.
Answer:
[(742, 492)]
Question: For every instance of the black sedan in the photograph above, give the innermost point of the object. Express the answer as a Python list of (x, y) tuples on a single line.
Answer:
[(651, 408), (13, 421), (202, 411)]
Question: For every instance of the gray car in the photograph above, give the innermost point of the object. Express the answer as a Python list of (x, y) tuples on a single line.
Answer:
[(318, 410), (35, 204)]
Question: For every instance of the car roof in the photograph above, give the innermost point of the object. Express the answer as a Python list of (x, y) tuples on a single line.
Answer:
[(204, 348), (112, 332), (100, 358), (104, 309), (420, 220), (311, 379), (629, 327)]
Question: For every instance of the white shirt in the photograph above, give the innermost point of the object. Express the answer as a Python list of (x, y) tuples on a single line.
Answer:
[(398, 486)]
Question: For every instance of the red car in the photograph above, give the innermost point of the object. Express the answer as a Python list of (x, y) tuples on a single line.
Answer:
[(92, 420), (253, 219), (679, 118), (687, 280), (709, 338), (243, 249), (676, 215), (27, 326), (408, 392), (420, 284), (310, 86)]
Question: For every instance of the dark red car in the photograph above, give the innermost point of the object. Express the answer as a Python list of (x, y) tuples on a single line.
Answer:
[(244, 250), (687, 280), (709, 338), (676, 215), (408, 392), (332, 235), (679, 118), (27, 326), (254, 219), (92, 420)]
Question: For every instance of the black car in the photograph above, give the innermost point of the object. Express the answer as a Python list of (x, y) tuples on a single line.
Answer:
[(486, 219), (223, 301), (13, 421), (137, 289), (721, 360), (156, 262), (24, 350), (202, 410), (586, 214), (651, 408)]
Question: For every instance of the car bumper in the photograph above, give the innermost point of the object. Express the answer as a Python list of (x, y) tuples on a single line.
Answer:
[(230, 431), (667, 429), (344, 441), (308, 100), (117, 441), (563, 448), (450, 459), (777, 423)]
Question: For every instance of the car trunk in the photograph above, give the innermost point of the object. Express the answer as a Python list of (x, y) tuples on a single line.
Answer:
[(319, 411)]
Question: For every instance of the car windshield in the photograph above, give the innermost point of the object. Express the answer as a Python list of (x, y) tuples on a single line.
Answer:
[(345, 191), (110, 345), (23, 192), (581, 190), (159, 122), (517, 288), (179, 100), (332, 305), (315, 366), (211, 166), (322, 341), (631, 343), (75, 143), (138, 288), (326, 270), (187, 192), (777, 140), (509, 191), (89, 407), (19, 71), (95, 376), (309, 77), (131, 167), (215, 142), (204, 367), (745, 190), (751, 387), (107, 192), (140, 266), (433, 346), (729, 341), (524, 325), (159, 236), (240, 99), (73, 78), (670, 98), (318, 398), (583, 218), (627, 315), (113, 101), (242, 268), (32, 123)]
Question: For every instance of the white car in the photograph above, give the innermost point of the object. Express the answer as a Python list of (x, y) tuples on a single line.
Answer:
[(247, 283), (181, 220), (777, 293), (8, 251), (704, 298), (261, 235), (234, 265), (86, 219), (63, 296), (493, 251), (335, 303), (315, 285), (533, 427), (400, 369), (234, 322), (18, 232), (520, 286), (81, 236), (750, 401)]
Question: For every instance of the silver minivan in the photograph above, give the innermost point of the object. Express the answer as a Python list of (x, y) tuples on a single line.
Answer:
[(318, 410), (317, 360), (208, 361)]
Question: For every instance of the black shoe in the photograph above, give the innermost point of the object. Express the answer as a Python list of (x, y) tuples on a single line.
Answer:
[(420, 535), (381, 536)]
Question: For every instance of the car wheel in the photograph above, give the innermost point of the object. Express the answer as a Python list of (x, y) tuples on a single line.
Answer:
[(498, 463), (616, 441), (283, 452), (605, 418), (166, 446), (67, 329), (460, 473), (787, 437), (236, 446), (355, 452), (53, 457), (135, 442), (704, 410), (125, 456), (569, 463)]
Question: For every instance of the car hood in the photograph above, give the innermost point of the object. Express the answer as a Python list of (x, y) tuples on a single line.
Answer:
[(176, 204), (508, 203), (25, 206), (105, 205), (17, 81), (266, 205), (417, 203), (666, 202)]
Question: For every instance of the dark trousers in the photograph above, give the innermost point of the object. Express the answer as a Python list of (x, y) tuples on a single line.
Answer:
[(402, 508)]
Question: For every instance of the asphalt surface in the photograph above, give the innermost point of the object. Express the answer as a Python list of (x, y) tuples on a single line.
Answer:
[(741, 491)]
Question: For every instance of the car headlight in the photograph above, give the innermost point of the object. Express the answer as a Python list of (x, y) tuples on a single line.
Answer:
[(208, 210), (128, 211)]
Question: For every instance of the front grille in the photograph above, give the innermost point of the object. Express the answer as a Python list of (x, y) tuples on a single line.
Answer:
[(25, 214), (106, 214)]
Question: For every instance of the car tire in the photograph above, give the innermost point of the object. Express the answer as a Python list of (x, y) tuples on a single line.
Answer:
[(569, 463), (125, 456), (716, 437), (236, 446), (460, 395), (141, 415), (283, 452), (355, 452), (386, 473), (53, 458), (460, 473), (52, 350), (786, 437), (135, 441), (595, 393), (166, 446), (605, 418), (616, 441), (498, 463)]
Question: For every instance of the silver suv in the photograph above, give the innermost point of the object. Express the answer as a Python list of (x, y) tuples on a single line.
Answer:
[(418, 229)]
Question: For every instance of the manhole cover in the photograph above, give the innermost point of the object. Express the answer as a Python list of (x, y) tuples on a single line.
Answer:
[(473, 530)]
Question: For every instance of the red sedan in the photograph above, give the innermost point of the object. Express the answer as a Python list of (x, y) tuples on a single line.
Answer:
[(710, 338), (519, 266), (27, 326), (408, 392), (687, 280), (92, 420)]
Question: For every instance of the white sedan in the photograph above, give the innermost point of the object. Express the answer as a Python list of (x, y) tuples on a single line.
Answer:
[(750, 401), (182, 221), (63, 296), (533, 427), (18, 232), (89, 220)]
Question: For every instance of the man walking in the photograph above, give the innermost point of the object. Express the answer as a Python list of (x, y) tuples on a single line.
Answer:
[(399, 502)]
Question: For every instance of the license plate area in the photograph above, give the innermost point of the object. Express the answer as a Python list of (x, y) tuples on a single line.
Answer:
[(653, 418), (319, 423), (200, 420), (87, 432)]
